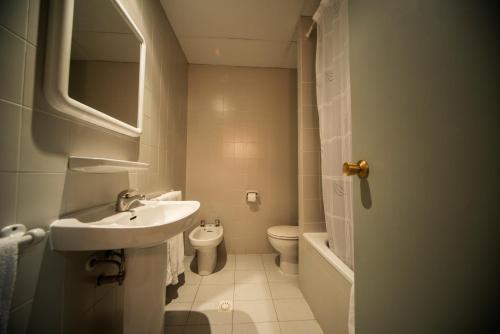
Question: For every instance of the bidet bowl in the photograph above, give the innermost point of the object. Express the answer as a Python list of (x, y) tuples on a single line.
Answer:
[(206, 236), (205, 240)]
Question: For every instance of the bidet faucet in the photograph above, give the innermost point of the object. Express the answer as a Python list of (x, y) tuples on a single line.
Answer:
[(126, 199)]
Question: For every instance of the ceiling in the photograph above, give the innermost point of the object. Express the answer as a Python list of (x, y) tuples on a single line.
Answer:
[(258, 33)]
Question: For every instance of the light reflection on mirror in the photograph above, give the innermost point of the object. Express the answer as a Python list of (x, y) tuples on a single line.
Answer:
[(105, 57)]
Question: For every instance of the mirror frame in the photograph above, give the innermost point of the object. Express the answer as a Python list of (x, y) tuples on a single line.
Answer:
[(57, 68)]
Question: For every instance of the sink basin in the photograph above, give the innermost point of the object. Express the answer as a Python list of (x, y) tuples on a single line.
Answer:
[(102, 228)]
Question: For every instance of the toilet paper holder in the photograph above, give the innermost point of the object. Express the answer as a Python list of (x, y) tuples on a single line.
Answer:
[(252, 192)]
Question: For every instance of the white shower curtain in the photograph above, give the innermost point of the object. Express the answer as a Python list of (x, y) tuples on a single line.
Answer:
[(334, 107), (333, 90)]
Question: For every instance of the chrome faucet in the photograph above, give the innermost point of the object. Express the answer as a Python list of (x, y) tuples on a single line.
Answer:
[(126, 199)]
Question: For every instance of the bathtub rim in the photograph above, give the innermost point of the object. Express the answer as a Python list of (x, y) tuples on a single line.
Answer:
[(319, 240)]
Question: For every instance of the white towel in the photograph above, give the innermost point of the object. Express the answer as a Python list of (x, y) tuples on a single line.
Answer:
[(169, 196), (175, 245), (8, 270), (351, 323)]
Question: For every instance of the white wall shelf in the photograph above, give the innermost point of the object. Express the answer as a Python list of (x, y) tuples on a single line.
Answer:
[(103, 165)]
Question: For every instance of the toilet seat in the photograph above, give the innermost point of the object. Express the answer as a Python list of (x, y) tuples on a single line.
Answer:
[(288, 232)]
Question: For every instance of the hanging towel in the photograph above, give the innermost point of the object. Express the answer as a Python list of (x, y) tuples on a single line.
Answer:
[(175, 245), (351, 323), (8, 270)]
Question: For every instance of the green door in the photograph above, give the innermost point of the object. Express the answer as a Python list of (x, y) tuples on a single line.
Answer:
[(425, 115)]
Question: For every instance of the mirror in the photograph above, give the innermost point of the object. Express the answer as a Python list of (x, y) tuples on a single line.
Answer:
[(105, 56), (95, 64)]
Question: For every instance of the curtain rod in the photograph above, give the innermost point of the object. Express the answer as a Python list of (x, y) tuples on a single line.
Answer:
[(316, 16), (309, 32)]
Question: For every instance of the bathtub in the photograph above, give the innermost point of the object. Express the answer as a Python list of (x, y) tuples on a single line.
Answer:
[(325, 282)]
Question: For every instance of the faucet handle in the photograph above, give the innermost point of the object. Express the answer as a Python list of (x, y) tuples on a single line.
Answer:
[(126, 193)]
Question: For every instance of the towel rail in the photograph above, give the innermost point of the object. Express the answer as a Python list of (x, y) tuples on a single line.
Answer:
[(25, 238)]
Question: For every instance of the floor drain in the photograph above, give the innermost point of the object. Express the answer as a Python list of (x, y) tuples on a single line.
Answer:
[(225, 306)]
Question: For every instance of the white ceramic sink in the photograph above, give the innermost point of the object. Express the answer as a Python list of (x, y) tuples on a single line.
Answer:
[(101, 228)]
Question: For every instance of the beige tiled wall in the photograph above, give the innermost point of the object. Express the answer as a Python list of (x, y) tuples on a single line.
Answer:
[(242, 135), (89, 83), (53, 293), (311, 215)]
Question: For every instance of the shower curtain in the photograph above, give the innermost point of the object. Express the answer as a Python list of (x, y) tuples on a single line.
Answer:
[(334, 109)]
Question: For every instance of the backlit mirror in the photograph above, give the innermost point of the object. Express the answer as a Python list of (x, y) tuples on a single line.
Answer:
[(100, 75)]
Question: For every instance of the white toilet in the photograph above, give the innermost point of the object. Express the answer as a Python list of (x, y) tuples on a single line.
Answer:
[(205, 239), (285, 239)]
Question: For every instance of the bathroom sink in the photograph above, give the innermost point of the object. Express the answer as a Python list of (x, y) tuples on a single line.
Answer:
[(102, 228)]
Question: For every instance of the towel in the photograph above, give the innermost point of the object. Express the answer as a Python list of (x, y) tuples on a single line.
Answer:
[(175, 245), (351, 323), (8, 270), (170, 196)]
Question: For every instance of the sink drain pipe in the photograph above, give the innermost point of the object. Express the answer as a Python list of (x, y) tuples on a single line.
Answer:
[(112, 257)]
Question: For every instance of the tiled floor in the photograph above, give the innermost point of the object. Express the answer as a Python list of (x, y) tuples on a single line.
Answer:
[(265, 301)]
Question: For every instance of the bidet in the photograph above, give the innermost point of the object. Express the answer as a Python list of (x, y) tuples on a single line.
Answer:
[(205, 239)]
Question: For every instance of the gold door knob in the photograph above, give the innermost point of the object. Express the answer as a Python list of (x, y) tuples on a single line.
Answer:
[(360, 168)]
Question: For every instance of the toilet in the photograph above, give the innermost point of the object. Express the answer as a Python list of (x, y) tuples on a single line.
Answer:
[(285, 239), (205, 239)]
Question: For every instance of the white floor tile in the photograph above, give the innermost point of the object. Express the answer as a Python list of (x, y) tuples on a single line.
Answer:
[(249, 262), (187, 261), (255, 291), (177, 313), (278, 276), (257, 279), (192, 278), (257, 328), (292, 309), (230, 262), (220, 277), (207, 313), (215, 293), (270, 261), (210, 329), (253, 311), (283, 290), (182, 294), (300, 327), (250, 276)]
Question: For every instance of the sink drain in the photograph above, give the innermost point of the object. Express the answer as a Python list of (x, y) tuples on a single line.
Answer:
[(225, 306)]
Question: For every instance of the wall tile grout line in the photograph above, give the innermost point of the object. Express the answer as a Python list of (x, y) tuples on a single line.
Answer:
[(21, 118), (16, 34), (11, 102)]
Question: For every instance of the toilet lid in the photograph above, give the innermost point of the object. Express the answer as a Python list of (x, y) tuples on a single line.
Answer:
[(284, 231)]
